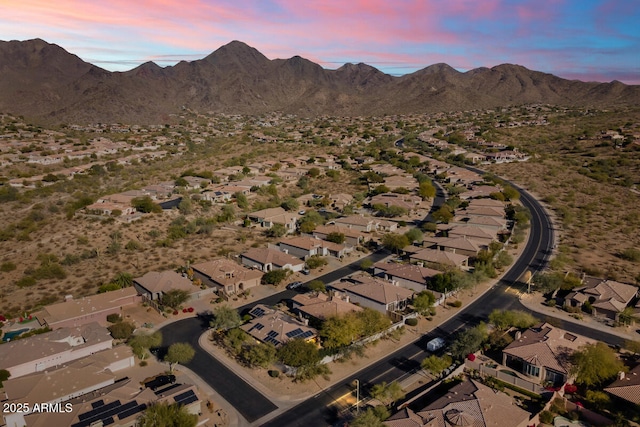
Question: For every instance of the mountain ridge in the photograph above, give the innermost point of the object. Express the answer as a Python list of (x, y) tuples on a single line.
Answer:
[(45, 82)]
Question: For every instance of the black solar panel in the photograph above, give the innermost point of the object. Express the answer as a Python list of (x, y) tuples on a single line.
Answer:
[(259, 326), (294, 333), (98, 411), (108, 421), (132, 411), (183, 396), (272, 334), (307, 334), (97, 403), (189, 400), (166, 389), (257, 312), (272, 341)]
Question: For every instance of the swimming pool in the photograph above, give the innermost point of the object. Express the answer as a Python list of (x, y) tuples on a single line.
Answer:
[(10, 335)]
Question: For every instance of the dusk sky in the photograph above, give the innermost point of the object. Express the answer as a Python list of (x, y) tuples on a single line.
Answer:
[(590, 40)]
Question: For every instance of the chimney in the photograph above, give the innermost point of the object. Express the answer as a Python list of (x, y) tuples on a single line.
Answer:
[(68, 297), (620, 375), (518, 335)]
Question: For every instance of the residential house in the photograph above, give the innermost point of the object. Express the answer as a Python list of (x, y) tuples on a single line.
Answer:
[(374, 293), (275, 327), (401, 181), (267, 259), (471, 232), (341, 200), (74, 379), (542, 353), (607, 297), (458, 245), (153, 285), (626, 386), (357, 222), (487, 202), (351, 237), (469, 403), (105, 208), (227, 276), (410, 276), (489, 223), (217, 196), (475, 191), (319, 306), (94, 308), (267, 218), (444, 258), (304, 247), (117, 405), (44, 351), (404, 201), (476, 210)]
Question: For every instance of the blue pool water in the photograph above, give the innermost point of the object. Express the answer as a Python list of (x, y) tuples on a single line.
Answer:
[(9, 335)]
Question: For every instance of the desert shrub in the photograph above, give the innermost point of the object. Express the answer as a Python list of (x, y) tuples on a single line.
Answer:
[(546, 417), (7, 266), (114, 318), (274, 373), (121, 330), (411, 322)]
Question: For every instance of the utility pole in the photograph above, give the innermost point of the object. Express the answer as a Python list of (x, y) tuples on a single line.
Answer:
[(357, 396)]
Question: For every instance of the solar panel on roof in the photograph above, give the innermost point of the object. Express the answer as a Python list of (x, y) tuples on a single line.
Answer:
[(189, 400), (271, 340), (257, 312), (183, 396), (97, 403), (132, 411), (272, 334), (259, 326), (108, 421), (166, 389), (294, 333), (307, 334), (99, 410)]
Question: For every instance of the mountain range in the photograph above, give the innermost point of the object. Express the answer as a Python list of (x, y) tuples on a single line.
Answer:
[(44, 82)]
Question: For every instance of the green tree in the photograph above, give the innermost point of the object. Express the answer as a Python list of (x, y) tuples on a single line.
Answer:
[(299, 354), (124, 280), (593, 364), (227, 214), (443, 214), (598, 399), (395, 242), (339, 331), (505, 319), (368, 418), (503, 259), (179, 353), (145, 204), (174, 298), (468, 341), (314, 172), (274, 277), (423, 302), (259, 355), (276, 230), (241, 200), (140, 344), (372, 321), (317, 286), (387, 393), (316, 261), (290, 204), (165, 415), (121, 330), (225, 318), (632, 346), (366, 264), (414, 235), (185, 207), (510, 193), (435, 364), (426, 190)]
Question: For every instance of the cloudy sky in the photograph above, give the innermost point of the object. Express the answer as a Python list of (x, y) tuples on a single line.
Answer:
[(591, 40)]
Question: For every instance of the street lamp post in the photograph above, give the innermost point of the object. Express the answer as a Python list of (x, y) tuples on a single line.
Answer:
[(357, 396)]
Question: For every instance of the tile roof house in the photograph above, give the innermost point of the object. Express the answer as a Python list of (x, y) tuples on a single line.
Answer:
[(94, 308), (472, 232), (607, 297), (458, 245), (304, 247), (228, 276), (542, 353), (51, 349), (626, 386), (410, 276), (357, 222), (70, 380), (275, 327), (154, 284), (267, 259), (374, 293), (321, 306), (445, 258), (267, 218), (469, 403), (351, 237)]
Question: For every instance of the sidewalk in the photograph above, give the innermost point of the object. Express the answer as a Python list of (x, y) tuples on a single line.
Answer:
[(535, 303)]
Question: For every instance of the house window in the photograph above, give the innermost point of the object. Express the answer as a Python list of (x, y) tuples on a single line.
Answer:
[(531, 370)]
